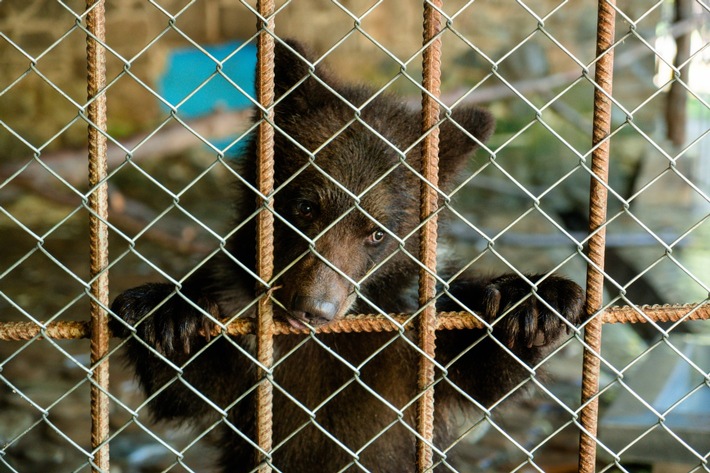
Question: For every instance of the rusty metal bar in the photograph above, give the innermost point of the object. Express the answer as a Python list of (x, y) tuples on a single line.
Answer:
[(603, 76), (431, 82), (98, 233), (265, 231)]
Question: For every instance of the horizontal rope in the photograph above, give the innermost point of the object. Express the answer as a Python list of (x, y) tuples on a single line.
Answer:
[(67, 330), (64, 330)]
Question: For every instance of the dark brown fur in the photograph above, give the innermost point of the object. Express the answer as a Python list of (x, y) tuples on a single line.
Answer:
[(351, 386)]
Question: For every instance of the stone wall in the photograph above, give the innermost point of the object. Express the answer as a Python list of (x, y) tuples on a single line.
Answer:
[(42, 66)]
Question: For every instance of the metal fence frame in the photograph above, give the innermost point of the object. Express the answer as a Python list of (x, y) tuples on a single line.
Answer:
[(427, 320)]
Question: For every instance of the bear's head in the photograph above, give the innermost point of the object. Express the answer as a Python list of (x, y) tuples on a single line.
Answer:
[(347, 160)]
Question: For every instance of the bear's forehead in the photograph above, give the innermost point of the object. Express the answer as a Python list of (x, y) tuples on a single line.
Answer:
[(355, 181), (355, 153), (355, 146), (381, 121)]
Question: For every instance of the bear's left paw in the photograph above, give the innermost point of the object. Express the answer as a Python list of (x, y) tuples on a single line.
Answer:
[(532, 318)]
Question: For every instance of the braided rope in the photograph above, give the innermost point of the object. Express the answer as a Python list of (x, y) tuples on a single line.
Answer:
[(64, 330), (431, 82), (265, 231), (464, 320), (357, 323), (597, 228), (98, 233), (656, 313)]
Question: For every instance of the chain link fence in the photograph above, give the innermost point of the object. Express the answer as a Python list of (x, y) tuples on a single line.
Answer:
[(607, 186)]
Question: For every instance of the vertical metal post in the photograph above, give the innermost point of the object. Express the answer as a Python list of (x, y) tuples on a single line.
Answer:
[(431, 82), (677, 97), (98, 232), (597, 220), (264, 231)]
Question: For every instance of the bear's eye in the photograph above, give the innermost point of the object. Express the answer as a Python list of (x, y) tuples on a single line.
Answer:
[(376, 237), (304, 209)]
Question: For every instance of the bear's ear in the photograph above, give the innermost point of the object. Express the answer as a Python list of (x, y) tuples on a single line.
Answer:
[(293, 64), (456, 139)]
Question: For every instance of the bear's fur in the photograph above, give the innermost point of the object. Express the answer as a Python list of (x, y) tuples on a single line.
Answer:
[(345, 242)]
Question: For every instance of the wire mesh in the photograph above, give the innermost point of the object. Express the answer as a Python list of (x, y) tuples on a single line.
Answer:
[(166, 217)]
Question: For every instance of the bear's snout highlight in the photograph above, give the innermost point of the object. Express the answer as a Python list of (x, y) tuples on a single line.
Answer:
[(315, 311)]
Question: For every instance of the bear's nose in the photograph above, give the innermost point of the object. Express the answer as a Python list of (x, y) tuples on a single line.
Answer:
[(315, 311)]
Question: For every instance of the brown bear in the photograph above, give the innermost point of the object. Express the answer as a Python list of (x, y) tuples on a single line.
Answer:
[(347, 212)]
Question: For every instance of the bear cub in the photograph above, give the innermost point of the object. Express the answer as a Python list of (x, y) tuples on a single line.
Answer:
[(346, 239)]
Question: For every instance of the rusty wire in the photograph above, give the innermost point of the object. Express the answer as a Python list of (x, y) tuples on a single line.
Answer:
[(603, 76), (98, 233)]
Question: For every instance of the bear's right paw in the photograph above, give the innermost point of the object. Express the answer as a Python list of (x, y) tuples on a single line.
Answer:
[(163, 319)]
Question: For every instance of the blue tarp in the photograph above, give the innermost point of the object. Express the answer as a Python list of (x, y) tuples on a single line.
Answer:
[(188, 68)]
